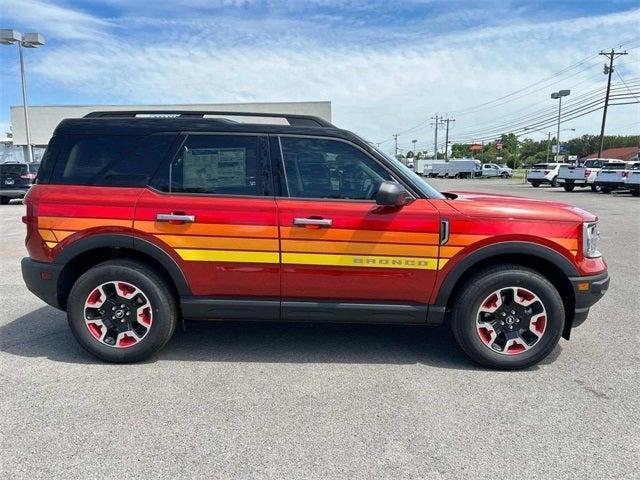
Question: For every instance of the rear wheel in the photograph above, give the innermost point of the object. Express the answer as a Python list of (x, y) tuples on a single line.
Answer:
[(508, 317), (596, 188), (121, 311), (4, 200), (635, 192), (535, 184), (554, 182), (569, 187)]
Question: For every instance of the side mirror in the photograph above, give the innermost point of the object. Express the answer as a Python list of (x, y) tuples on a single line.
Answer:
[(392, 194)]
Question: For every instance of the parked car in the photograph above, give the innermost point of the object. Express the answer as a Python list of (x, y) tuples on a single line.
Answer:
[(632, 180), (571, 176), (611, 176), (137, 223), (544, 173), (492, 170), (16, 179)]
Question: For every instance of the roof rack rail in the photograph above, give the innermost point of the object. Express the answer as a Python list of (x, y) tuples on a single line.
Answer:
[(293, 119)]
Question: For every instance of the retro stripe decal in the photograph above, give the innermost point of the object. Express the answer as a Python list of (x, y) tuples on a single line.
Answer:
[(240, 243)]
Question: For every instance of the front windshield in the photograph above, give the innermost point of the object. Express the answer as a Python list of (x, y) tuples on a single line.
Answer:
[(424, 187)]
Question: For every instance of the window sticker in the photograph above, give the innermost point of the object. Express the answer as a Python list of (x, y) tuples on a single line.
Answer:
[(211, 168)]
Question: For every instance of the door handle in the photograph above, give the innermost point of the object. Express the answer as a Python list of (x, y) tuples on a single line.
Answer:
[(313, 222), (175, 218)]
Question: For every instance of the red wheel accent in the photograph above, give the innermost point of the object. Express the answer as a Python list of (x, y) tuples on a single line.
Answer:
[(95, 329), (145, 316), (485, 335), (94, 297), (516, 348), (126, 289), (127, 341)]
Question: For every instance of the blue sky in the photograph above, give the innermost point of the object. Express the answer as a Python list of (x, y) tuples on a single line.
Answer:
[(387, 66)]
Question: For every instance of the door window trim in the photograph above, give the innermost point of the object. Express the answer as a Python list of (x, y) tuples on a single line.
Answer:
[(281, 170), (264, 158)]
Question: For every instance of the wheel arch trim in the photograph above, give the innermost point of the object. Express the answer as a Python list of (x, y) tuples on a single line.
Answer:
[(128, 242), (528, 249)]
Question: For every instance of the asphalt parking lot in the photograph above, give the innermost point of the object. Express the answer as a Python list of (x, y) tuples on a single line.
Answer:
[(232, 400)]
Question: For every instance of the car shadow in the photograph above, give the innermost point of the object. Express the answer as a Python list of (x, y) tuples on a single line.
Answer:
[(44, 333)]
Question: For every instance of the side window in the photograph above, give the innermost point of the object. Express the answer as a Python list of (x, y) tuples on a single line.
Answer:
[(319, 168), (113, 160), (217, 164)]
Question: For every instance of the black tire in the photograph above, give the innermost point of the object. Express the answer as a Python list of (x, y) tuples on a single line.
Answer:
[(161, 298), (504, 175), (554, 182), (4, 200), (535, 184), (569, 187), (475, 291), (635, 192), (596, 188), (606, 189)]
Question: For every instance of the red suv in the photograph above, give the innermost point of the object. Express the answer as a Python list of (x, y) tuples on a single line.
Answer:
[(137, 221)]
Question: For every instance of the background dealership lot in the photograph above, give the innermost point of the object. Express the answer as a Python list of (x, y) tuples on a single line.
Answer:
[(318, 401)]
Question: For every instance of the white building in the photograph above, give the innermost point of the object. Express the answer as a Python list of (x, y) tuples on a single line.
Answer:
[(44, 119)]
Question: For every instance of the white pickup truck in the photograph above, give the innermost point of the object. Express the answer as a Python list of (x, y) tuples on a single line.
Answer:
[(571, 176), (494, 170), (632, 180), (544, 173), (611, 176)]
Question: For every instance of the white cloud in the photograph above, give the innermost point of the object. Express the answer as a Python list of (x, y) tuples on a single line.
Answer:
[(377, 85)]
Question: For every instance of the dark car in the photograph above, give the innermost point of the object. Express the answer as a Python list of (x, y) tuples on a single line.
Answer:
[(16, 179)]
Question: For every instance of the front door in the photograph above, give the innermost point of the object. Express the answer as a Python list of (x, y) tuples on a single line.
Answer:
[(340, 249), (211, 207)]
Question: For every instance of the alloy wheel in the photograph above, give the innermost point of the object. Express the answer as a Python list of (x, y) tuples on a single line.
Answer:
[(511, 320), (118, 314)]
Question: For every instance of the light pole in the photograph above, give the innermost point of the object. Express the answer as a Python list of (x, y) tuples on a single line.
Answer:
[(28, 40), (414, 146), (549, 137), (558, 95)]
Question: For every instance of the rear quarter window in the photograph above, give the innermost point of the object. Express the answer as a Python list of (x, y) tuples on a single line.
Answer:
[(13, 169), (540, 165), (106, 160)]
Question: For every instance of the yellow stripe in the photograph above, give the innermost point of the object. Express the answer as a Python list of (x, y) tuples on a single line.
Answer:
[(227, 243), (360, 261), (47, 235), (51, 244), (62, 234), (310, 246), (236, 256)]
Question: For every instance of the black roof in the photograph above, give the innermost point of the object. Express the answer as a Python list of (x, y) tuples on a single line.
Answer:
[(115, 125)]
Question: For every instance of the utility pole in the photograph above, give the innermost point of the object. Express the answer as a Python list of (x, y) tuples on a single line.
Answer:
[(548, 145), (446, 139), (608, 70), (438, 120), (395, 137)]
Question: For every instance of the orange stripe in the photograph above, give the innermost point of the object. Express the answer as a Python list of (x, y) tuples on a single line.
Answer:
[(359, 248), (464, 239), (448, 252), (568, 243), (214, 229), (73, 223), (219, 243), (373, 236), (62, 234)]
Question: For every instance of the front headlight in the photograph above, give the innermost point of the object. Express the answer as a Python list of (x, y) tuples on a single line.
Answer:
[(590, 239)]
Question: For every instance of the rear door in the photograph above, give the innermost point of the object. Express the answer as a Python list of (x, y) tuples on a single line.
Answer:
[(211, 206), (343, 255)]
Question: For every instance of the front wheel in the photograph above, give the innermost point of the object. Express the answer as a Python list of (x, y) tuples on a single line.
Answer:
[(535, 184), (4, 200), (508, 317), (554, 182), (504, 175), (595, 188), (122, 311), (635, 192)]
